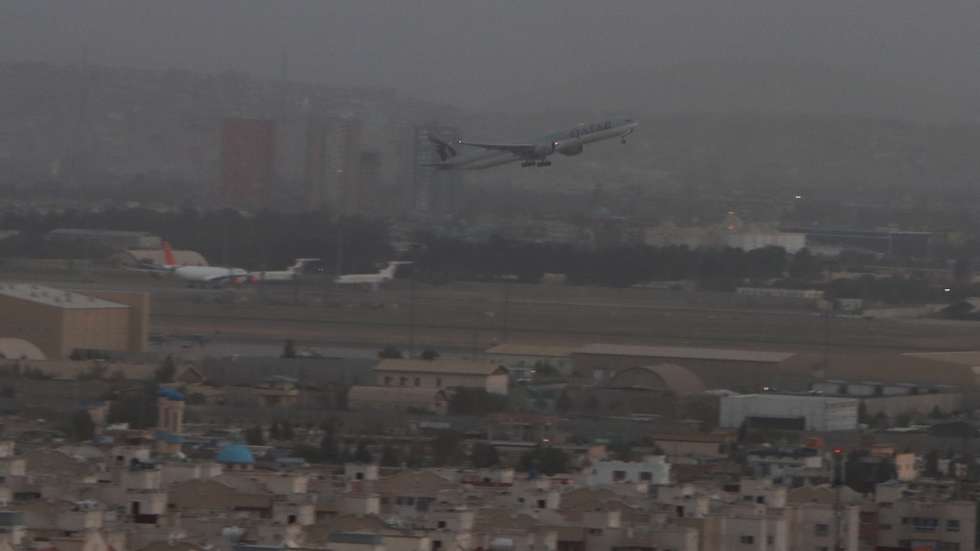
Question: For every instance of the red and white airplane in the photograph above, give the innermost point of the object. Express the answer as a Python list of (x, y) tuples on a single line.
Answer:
[(197, 276)]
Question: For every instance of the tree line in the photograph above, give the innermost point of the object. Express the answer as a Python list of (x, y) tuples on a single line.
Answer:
[(265, 240), (442, 258)]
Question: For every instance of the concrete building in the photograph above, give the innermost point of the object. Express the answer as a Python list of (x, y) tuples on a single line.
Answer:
[(442, 373), (371, 195), (432, 400), (61, 322), (333, 164), (696, 444), (907, 522), (748, 241), (652, 469), (893, 399), (248, 162), (434, 191), (170, 420), (803, 412)]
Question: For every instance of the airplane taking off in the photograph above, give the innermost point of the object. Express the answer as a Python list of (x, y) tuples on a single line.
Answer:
[(532, 153)]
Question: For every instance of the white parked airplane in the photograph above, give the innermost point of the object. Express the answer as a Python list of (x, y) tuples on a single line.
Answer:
[(302, 266), (374, 280), (534, 152)]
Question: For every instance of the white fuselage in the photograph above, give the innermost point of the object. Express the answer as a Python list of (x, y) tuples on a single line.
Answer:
[(374, 280), (210, 275), (298, 269)]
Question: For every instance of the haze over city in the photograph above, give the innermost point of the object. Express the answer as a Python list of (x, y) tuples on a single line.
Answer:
[(433, 275), (490, 55)]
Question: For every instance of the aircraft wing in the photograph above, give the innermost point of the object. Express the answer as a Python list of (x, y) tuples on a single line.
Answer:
[(519, 149), (148, 268)]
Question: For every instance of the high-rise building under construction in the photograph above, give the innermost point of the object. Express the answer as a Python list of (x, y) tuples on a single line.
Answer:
[(332, 172)]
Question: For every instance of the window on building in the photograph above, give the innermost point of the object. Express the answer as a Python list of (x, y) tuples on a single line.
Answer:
[(746, 540), (646, 476), (387, 380), (821, 530), (749, 499), (760, 499), (884, 526), (595, 531), (439, 382), (770, 540), (418, 381), (403, 381), (441, 524), (436, 545), (924, 524), (619, 476), (952, 526), (542, 504)]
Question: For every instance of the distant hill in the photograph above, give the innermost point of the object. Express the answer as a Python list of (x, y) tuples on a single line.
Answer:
[(742, 87)]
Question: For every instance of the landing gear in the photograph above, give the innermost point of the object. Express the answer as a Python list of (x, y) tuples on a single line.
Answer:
[(622, 141), (526, 164), (544, 163)]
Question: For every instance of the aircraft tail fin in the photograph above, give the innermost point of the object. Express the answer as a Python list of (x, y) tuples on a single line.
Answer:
[(168, 255), (443, 149), (388, 272)]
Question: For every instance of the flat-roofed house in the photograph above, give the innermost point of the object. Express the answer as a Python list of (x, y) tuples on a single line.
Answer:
[(442, 373)]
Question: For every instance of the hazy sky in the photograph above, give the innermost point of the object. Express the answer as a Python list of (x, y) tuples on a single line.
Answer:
[(474, 52)]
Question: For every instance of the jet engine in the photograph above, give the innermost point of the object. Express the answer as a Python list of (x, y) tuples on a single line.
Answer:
[(569, 147), (543, 150)]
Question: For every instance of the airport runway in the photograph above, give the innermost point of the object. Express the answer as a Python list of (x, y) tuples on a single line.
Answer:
[(472, 316)]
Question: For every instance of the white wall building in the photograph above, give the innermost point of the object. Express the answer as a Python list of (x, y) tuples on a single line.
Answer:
[(747, 241), (654, 469), (820, 413)]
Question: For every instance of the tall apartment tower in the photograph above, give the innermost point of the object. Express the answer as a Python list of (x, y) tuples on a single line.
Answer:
[(248, 161), (332, 169), (434, 191)]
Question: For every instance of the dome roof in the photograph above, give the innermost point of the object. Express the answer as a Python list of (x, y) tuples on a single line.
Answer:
[(235, 454), (170, 394), (19, 349)]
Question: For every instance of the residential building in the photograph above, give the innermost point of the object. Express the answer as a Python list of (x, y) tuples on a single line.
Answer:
[(442, 374)]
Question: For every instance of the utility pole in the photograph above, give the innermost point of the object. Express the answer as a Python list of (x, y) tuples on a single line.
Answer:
[(504, 314), (838, 481), (411, 311)]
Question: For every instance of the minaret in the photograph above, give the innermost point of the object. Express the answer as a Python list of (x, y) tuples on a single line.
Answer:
[(170, 420)]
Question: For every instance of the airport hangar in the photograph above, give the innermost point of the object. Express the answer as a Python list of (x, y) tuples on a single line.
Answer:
[(60, 322), (748, 370)]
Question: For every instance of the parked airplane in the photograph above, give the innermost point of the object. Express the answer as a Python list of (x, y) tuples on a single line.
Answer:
[(196, 276), (534, 152), (301, 267), (374, 280)]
